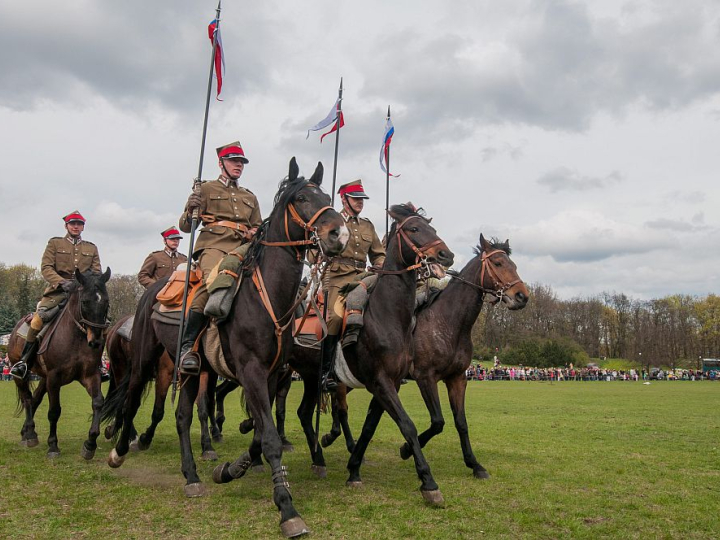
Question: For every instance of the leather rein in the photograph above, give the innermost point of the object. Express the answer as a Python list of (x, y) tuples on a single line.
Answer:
[(420, 253), (83, 323), (311, 239), (485, 267)]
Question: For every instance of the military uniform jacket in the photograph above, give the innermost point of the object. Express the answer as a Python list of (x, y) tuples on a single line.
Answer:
[(159, 265), (222, 203), (63, 255), (363, 244)]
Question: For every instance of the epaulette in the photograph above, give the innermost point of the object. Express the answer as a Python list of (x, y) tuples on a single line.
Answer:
[(88, 242), (246, 189), (57, 238), (158, 251)]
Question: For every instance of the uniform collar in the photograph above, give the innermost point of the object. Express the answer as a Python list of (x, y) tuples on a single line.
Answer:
[(346, 216), (73, 241), (227, 182), (171, 253)]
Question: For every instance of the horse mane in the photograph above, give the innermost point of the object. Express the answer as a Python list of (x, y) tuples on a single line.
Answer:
[(287, 190), (400, 212), (495, 244)]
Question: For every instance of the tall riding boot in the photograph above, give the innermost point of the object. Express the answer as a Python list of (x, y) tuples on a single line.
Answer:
[(189, 359), (21, 370), (329, 379)]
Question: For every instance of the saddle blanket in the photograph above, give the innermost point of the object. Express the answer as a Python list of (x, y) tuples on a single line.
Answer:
[(125, 331)]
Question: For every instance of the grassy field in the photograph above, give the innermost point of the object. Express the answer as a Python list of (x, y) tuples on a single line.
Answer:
[(568, 460)]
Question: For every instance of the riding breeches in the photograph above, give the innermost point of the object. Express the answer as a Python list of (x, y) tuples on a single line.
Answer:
[(209, 258)]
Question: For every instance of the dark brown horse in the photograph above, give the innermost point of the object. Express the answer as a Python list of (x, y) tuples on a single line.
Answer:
[(382, 355), (119, 351), (253, 339), (73, 353), (443, 345)]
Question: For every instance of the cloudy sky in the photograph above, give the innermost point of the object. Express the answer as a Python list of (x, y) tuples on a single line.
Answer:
[(585, 132)]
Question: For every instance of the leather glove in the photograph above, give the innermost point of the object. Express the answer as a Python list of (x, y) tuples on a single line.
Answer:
[(194, 201), (250, 233), (67, 285)]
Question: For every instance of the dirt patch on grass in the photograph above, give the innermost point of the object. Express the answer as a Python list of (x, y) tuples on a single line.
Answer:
[(149, 477), (595, 520)]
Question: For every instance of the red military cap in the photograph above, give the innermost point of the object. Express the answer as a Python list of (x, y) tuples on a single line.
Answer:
[(169, 234), (75, 215), (232, 150), (353, 189)]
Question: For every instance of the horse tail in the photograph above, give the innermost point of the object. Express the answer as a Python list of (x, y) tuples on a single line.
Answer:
[(20, 405), (114, 405)]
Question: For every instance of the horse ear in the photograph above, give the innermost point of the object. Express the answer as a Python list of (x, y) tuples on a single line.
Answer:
[(79, 277), (484, 243), (106, 275), (317, 176), (294, 169)]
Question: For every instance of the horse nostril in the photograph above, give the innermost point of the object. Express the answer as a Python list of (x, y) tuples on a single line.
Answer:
[(520, 297)]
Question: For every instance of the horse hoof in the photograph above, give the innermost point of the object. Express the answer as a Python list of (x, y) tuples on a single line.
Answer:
[(288, 447), (135, 445), (405, 452), (218, 472), (354, 483), (194, 490), (481, 474), (319, 470), (294, 527), (109, 432), (53, 454), (209, 455), (114, 460), (86, 453), (434, 498), (30, 443), (218, 438), (258, 468), (326, 441), (142, 446)]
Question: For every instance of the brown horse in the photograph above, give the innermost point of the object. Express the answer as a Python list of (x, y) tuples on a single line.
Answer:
[(443, 345), (73, 353), (119, 351), (253, 340), (382, 355)]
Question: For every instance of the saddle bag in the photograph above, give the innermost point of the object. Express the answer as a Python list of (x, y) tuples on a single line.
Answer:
[(171, 294)]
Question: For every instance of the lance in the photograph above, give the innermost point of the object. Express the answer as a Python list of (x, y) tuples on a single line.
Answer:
[(196, 211), (325, 289), (387, 179)]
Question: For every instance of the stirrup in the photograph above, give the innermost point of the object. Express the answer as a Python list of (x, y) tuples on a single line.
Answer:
[(19, 370), (329, 384), (190, 363), (350, 337)]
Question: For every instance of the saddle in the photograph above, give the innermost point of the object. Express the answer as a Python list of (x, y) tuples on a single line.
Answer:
[(169, 299), (308, 330)]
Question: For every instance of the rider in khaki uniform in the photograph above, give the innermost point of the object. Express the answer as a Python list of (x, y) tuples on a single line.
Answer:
[(63, 255), (161, 264), (363, 244), (230, 216)]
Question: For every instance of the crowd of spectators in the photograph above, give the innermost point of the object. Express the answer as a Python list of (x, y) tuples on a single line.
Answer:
[(520, 373)]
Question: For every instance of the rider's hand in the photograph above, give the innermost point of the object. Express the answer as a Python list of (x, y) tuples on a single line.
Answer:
[(194, 201), (250, 233), (67, 285)]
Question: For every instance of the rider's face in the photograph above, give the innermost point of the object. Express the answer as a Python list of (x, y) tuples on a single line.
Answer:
[(233, 167), (75, 228), (354, 205), (172, 243)]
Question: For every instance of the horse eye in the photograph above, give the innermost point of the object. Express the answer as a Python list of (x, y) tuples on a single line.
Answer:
[(414, 229), (498, 264), (302, 198)]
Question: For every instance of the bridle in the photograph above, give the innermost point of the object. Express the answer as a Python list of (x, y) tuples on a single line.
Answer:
[(311, 237), (83, 323), (485, 267), (421, 258)]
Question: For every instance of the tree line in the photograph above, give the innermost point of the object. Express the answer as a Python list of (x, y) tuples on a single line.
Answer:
[(674, 331)]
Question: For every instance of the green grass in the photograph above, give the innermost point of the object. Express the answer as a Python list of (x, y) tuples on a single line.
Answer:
[(568, 460)]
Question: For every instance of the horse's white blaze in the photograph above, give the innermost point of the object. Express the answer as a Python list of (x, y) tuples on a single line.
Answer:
[(344, 236), (99, 298)]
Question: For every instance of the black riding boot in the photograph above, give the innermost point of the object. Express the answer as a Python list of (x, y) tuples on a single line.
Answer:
[(21, 370), (329, 379), (189, 359)]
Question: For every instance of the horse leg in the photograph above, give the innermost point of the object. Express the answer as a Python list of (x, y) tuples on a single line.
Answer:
[(93, 387), (215, 431), (30, 403), (305, 414), (256, 393), (335, 429), (387, 395), (183, 421), (456, 394), (54, 411), (162, 385), (429, 391), (220, 394), (280, 410), (372, 419), (208, 452)]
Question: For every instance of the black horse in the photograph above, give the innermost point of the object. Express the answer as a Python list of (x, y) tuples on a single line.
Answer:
[(73, 353), (254, 339)]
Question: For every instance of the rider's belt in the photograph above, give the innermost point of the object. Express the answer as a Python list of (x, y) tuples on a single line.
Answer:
[(360, 265), (231, 225)]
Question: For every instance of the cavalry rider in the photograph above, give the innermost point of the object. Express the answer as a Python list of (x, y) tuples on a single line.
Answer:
[(63, 255), (161, 264), (230, 215), (343, 269)]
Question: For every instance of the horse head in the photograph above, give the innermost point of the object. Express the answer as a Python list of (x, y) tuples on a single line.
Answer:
[(498, 274), (418, 241), (309, 219), (94, 305)]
